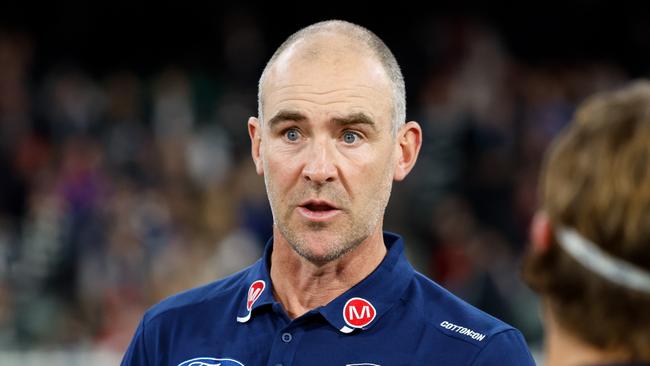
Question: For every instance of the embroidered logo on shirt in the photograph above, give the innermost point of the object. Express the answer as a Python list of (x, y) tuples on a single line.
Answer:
[(210, 361), (357, 313), (462, 330), (254, 293)]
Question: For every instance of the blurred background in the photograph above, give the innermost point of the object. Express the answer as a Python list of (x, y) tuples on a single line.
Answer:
[(125, 173)]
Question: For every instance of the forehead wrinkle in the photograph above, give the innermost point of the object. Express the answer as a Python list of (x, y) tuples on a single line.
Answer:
[(324, 92), (354, 93), (314, 102), (285, 100)]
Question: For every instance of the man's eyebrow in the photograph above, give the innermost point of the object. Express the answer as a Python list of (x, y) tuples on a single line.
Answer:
[(350, 119), (356, 118), (286, 115)]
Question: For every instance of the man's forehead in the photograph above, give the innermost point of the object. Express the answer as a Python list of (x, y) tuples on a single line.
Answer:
[(327, 56), (338, 74), (335, 93)]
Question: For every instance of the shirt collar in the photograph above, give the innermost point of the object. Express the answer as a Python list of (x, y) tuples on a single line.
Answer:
[(363, 304), (258, 273)]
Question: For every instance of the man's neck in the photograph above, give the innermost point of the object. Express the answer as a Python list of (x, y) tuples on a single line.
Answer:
[(565, 349), (300, 285)]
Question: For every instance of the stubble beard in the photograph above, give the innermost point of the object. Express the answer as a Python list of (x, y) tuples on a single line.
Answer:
[(341, 244), (354, 231)]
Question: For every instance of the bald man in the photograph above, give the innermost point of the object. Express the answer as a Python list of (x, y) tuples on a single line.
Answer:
[(332, 287)]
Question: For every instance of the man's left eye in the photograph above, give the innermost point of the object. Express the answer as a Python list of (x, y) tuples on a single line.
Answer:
[(350, 137), (292, 134)]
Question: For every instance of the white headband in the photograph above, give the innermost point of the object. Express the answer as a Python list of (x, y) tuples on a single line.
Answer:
[(595, 259)]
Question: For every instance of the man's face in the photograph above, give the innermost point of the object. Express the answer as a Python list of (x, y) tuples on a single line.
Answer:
[(326, 150)]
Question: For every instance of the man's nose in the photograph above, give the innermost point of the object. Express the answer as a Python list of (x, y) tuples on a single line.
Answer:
[(320, 167)]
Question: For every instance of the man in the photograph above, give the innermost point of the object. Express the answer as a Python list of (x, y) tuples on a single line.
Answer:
[(332, 288), (590, 257)]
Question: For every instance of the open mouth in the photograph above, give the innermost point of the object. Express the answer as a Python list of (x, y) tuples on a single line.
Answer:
[(318, 207), (318, 210)]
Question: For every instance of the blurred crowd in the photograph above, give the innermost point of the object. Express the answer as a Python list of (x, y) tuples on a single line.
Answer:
[(119, 189)]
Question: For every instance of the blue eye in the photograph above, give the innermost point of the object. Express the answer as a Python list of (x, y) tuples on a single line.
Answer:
[(292, 134), (350, 137)]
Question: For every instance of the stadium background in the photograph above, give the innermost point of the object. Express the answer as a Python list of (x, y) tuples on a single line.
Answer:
[(125, 173)]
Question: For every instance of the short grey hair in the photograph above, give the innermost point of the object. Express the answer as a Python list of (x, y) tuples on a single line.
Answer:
[(366, 38)]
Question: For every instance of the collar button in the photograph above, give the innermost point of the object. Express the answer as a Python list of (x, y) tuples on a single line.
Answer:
[(286, 337)]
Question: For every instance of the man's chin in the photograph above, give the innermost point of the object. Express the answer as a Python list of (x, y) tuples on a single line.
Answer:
[(319, 257), (318, 247), (318, 226), (322, 249), (320, 242)]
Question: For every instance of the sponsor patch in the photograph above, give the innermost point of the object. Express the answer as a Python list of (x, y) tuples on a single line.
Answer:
[(462, 330), (254, 293), (358, 312)]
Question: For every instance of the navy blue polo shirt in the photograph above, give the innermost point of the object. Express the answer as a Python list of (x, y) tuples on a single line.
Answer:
[(395, 316)]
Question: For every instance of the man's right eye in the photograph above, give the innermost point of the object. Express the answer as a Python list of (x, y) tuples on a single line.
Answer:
[(292, 134)]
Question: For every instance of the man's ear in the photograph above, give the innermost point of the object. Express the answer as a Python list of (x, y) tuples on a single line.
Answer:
[(541, 233), (255, 133), (409, 141)]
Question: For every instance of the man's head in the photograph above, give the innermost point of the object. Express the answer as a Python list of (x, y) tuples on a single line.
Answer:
[(360, 40), (330, 137), (596, 181)]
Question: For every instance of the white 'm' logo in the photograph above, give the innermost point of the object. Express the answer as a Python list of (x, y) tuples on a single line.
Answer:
[(354, 314)]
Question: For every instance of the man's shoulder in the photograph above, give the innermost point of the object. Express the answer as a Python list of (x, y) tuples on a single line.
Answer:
[(222, 293), (452, 316)]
